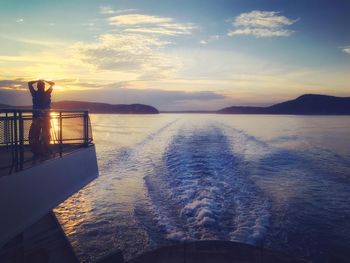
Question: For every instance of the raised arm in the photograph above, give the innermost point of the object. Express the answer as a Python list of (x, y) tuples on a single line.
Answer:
[(51, 83), (30, 86)]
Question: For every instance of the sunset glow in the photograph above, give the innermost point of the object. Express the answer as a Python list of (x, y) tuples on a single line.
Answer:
[(197, 55)]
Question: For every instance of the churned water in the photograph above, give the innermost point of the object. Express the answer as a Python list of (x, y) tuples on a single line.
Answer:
[(281, 182)]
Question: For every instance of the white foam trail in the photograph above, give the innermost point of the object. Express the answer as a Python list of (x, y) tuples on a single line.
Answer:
[(213, 198)]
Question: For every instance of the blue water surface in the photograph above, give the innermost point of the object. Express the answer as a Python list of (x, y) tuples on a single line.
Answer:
[(281, 182)]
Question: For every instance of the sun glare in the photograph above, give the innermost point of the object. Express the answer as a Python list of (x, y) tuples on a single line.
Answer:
[(55, 128), (59, 88)]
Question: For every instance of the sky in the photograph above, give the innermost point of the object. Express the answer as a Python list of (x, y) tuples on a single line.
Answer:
[(175, 55)]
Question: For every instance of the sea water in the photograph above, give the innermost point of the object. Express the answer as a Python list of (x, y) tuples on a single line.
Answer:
[(280, 182)]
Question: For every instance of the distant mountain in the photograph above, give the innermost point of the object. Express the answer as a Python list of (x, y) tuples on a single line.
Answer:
[(4, 106), (96, 107), (308, 104)]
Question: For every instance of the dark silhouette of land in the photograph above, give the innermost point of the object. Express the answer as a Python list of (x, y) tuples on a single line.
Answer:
[(96, 107), (308, 104)]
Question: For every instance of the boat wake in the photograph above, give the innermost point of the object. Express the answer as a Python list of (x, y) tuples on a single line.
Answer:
[(199, 190)]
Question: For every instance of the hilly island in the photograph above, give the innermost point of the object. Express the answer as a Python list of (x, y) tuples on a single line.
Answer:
[(97, 107), (308, 104)]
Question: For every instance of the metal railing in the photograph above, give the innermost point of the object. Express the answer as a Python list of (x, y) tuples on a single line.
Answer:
[(31, 136)]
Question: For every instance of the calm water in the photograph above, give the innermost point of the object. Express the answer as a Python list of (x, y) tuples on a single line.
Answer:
[(281, 182)]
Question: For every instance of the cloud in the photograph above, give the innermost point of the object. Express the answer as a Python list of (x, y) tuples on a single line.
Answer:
[(137, 47), (35, 41), (16, 84), (19, 20), (209, 39), (261, 24), (107, 10), (63, 84), (159, 30), (346, 49), (140, 23), (260, 32), (137, 19), (127, 52)]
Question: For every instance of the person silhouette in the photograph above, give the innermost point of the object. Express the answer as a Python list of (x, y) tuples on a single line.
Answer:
[(39, 133)]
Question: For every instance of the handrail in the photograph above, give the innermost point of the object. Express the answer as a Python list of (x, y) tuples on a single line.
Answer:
[(28, 136), (35, 110)]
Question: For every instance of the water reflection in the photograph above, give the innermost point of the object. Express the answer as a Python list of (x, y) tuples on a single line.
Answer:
[(54, 128)]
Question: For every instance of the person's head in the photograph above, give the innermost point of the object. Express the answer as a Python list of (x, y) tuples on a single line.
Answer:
[(41, 85)]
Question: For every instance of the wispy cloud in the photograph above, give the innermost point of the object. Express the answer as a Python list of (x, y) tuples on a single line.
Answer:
[(34, 41), (141, 23), (346, 49), (21, 84), (160, 30), (15, 84), (20, 20), (261, 24), (107, 10), (130, 52), (209, 39), (137, 47), (138, 19), (127, 52)]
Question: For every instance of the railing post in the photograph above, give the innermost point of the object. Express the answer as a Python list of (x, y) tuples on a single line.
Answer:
[(60, 134), (11, 127), (15, 128), (21, 141), (6, 129), (86, 128)]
